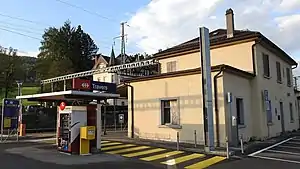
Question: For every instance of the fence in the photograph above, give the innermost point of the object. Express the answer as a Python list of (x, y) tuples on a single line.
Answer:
[(41, 119)]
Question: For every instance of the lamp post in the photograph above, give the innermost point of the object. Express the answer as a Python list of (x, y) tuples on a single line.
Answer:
[(19, 83)]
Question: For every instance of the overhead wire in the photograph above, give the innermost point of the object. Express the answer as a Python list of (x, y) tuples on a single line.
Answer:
[(25, 20), (96, 14), (15, 32), (83, 9)]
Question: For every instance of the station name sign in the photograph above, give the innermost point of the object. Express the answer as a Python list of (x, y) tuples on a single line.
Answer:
[(83, 84)]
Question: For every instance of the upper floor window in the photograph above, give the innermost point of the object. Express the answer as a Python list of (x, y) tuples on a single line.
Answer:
[(171, 66), (288, 77), (266, 65), (278, 69)]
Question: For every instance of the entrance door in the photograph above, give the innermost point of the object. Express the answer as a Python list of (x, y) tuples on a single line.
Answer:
[(234, 139), (282, 117)]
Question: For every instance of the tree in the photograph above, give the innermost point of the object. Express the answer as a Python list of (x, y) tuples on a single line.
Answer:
[(65, 50), (10, 69)]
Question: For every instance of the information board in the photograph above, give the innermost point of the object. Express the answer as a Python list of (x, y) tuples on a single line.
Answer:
[(10, 113)]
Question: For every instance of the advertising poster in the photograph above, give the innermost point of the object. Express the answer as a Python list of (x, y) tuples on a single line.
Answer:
[(10, 113)]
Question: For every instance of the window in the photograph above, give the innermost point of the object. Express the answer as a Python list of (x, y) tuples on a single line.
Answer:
[(169, 112), (288, 77), (240, 111), (278, 68), (266, 65), (171, 66), (291, 113)]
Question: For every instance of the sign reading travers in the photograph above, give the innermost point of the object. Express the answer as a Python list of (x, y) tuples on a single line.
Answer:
[(83, 84)]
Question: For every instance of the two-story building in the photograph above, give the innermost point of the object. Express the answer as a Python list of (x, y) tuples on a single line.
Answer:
[(245, 64)]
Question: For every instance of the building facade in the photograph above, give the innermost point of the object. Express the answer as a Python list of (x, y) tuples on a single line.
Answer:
[(246, 65)]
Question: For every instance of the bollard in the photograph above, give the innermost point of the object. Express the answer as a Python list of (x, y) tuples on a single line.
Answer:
[(242, 144), (195, 136), (177, 141), (227, 148)]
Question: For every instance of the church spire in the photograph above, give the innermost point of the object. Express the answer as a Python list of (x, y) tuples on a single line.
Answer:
[(112, 57)]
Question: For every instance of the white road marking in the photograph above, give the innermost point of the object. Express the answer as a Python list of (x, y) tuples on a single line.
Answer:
[(277, 159), (267, 148), (291, 147), (294, 142), (283, 152)]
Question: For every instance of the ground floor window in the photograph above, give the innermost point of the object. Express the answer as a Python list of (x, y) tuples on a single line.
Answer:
[(169, 112), (240, 111)]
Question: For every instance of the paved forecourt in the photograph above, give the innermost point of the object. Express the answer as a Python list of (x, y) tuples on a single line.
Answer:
[(162, 156), (286, 151)]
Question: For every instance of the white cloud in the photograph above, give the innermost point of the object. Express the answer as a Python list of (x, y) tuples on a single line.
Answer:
[(32, 54), (164, 23)]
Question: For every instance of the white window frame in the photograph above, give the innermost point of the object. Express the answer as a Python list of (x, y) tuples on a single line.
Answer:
[(172, 124)]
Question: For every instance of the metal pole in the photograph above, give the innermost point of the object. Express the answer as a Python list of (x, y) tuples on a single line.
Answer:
[(206, 88), (104, 122), (2, 119), (177, 141), (195, 136), (65, 85), (115, 118), (227, 148), (242, 144)]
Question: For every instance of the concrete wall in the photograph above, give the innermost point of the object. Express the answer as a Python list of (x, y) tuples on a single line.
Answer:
[(187, 89), (240, 88), (238, 56), (277, 92)]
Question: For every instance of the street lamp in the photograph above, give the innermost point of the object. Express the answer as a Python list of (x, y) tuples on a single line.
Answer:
[(20, 110), (19, 87)]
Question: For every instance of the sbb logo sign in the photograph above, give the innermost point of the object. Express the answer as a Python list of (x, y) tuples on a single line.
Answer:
[(85, 85), (81, 84)]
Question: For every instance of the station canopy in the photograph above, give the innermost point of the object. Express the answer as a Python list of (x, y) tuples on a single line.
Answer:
[(69, 95)]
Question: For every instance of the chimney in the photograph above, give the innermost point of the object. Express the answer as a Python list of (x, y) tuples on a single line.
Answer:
[(229, 23)]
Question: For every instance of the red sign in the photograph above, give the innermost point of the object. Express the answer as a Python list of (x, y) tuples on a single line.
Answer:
[(81, 84), (62, 105)]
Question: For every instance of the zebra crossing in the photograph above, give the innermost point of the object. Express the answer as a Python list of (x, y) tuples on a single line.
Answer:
[(161, 156)]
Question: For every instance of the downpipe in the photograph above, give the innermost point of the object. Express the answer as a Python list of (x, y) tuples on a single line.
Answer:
[(132, 108), (216, 105)]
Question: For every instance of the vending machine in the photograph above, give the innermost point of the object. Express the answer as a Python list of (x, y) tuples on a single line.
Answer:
[(70, 119)]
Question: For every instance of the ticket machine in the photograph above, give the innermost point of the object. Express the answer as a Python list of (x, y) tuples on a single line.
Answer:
[(70, 119)]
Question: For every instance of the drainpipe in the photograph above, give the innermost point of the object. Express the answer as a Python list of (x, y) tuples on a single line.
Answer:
[(253, 56), (132, 109), (216, 105)]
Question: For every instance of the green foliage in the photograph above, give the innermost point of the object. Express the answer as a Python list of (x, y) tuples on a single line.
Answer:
[(25, 91), (65, 50)]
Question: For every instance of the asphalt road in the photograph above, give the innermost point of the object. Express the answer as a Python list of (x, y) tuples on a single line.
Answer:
[(284, 154), (13, 161)]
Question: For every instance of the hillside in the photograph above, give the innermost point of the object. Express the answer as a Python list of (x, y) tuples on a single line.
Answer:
[(25, 91)]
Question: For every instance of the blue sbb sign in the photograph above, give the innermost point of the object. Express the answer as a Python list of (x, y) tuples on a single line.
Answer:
[(84, 84), (104, 87)]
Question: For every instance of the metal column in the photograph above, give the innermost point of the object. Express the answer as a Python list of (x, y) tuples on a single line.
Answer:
[(206, 88), (99, 125)]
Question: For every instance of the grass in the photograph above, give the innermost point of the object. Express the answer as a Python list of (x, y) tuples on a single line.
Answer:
[(25, 91)]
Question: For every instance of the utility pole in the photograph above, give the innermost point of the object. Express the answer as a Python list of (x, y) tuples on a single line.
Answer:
[(123, 57), (206, 88)]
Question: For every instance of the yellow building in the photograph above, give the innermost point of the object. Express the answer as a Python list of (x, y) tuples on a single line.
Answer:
[(244, 63)]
